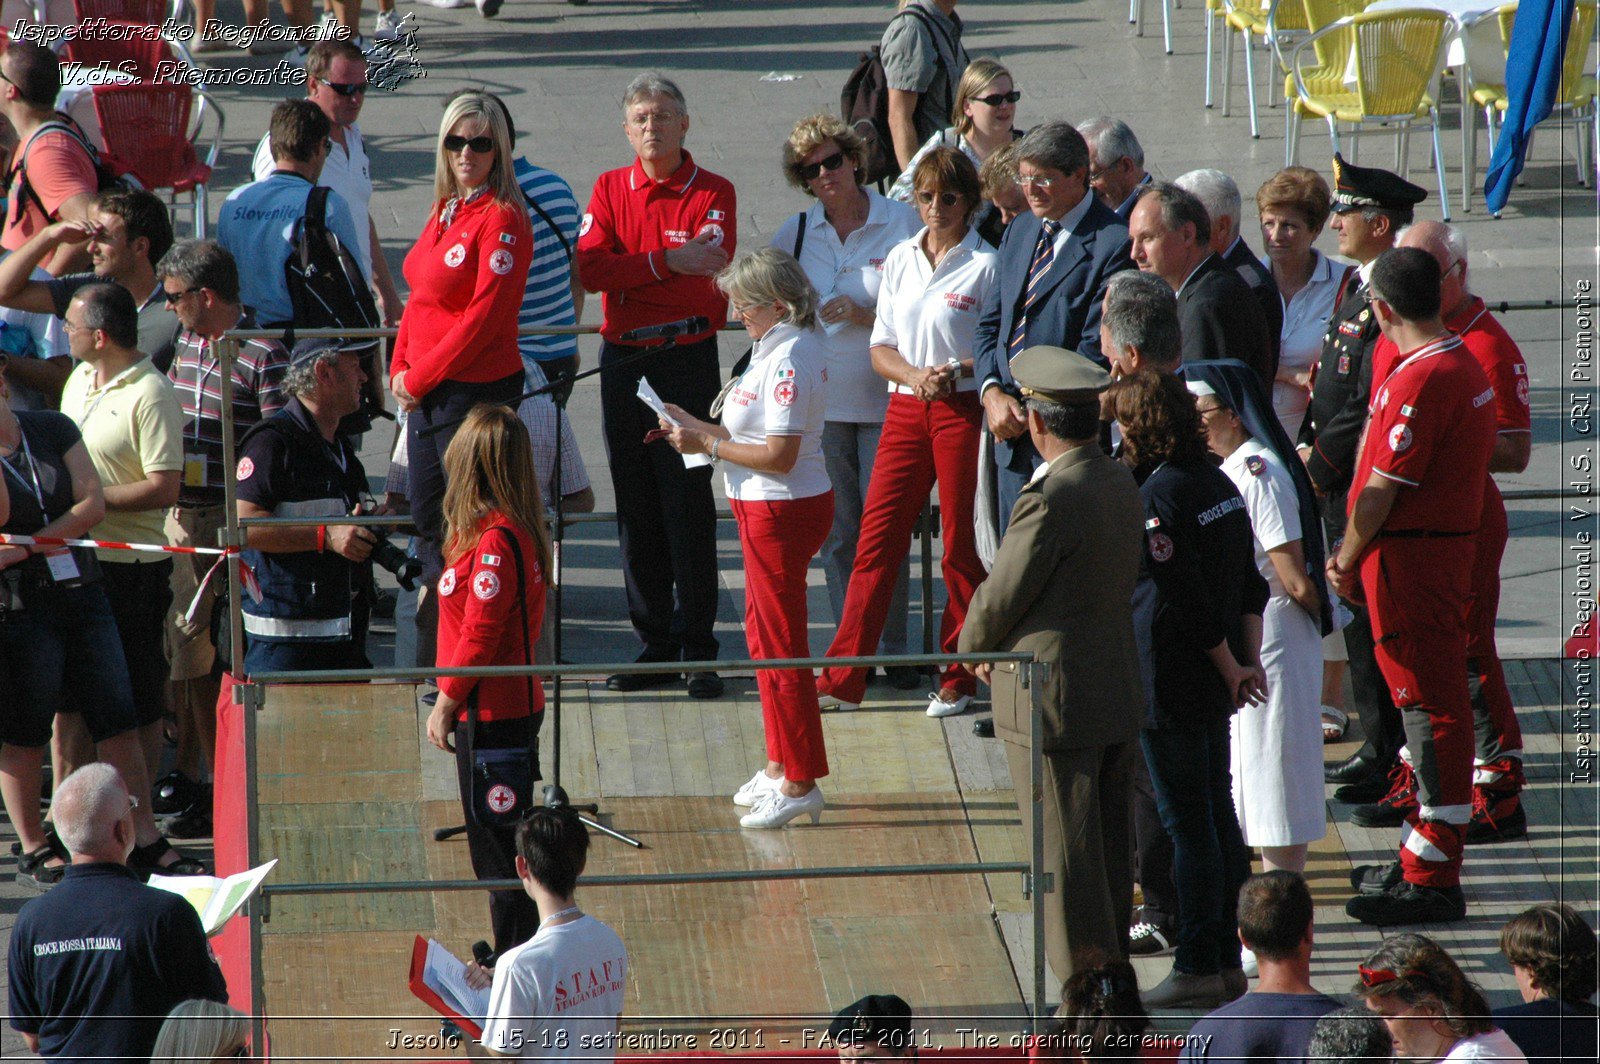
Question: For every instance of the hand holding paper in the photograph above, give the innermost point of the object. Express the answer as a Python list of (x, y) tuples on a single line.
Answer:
[(648, 396)]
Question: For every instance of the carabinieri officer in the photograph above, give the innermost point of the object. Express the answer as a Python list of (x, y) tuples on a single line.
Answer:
[(297, 464)]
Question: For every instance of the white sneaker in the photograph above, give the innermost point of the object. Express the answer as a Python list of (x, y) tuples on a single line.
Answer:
[(488, 8), (759, 786), (838, 705), (448, 5), (387, 26), (938, 707), (777, 809)]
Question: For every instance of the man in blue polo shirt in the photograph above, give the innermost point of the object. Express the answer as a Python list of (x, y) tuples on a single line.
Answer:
[(257, 221), (96, 964)]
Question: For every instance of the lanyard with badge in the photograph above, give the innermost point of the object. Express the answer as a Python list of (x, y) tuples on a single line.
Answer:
[(61, 563), (194, 461)]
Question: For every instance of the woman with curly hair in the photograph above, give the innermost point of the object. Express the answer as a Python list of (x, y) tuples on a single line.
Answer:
[(1197, 612), (1552, 953), (1432, 1009)]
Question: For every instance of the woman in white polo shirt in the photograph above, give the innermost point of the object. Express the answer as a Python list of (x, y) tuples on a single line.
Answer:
[(842, 242), (770, 446), (933, 288)]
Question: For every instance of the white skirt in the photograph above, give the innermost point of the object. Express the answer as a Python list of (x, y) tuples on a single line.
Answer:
[(1277, 747)]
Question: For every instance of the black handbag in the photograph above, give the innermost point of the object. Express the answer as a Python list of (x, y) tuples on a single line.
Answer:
[(502, 778)]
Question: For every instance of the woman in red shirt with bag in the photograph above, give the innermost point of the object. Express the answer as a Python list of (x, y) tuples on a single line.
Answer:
[(467, 273), (491, 603)]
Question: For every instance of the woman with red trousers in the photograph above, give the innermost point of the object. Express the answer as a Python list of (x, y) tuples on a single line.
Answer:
[(928, 304), (770, 447), (491, 604), (467, 273)]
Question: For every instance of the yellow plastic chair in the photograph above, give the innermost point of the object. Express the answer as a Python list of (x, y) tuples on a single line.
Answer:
[(1394, 57), (1136, 20), (1246, 19), (1576, 97), (1329, 69)]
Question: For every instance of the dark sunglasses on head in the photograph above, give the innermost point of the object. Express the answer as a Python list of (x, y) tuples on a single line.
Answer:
[(997, 98), (481, 145), (946, 199), (809, 171), (347, 88)]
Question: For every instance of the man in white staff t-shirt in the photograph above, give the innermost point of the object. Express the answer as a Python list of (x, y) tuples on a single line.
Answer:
[(558, 996)]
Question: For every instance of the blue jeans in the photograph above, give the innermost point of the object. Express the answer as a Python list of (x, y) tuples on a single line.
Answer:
[(1194, 792), (848, 450)]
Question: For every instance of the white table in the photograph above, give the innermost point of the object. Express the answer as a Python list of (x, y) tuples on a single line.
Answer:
[(1482, 52)]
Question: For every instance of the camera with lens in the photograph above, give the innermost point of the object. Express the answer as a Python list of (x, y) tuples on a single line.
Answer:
[(401, 565)]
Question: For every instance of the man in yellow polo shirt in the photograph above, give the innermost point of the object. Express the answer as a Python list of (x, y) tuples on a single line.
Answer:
[(132, 426)]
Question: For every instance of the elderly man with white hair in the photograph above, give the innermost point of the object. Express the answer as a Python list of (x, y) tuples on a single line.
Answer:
[(1218, 193), (97, 963), (1116, 163)]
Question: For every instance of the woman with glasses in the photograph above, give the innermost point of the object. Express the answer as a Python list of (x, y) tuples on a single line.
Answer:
[(934, 286), (981, 121), (770, 447), (841, 243), (202, 1032), (1432, 1010), (468, 270)]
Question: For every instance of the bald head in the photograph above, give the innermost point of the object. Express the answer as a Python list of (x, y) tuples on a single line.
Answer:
[(1448, 246), (90, 809)]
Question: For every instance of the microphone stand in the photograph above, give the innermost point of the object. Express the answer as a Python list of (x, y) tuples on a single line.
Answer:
[(555, 796)]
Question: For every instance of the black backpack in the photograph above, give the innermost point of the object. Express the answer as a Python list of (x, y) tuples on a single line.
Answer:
[(109, 174), (864, 103), (326, 286)]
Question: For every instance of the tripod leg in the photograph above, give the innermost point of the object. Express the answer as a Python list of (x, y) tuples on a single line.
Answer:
[(595, 825)]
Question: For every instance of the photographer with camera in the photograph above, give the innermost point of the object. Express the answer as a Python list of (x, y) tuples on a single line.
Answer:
[(315, 579)]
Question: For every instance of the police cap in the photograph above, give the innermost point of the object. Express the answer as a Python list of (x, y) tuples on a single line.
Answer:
[(877, 1019), (1356, 187), (1058, 375)]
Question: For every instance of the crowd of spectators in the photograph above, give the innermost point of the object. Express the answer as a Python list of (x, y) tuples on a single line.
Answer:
[(1016, 297)]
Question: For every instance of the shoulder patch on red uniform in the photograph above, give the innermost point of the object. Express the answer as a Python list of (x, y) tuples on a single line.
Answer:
[(584, 226), (1160, 547), (1399, 438), (508, 238), (447, 582), (716, 216), (486, 585), (455, 256), (243, 470), (489, 559), (715, 232), (500, 261), (1256, 464), (1522, 391)]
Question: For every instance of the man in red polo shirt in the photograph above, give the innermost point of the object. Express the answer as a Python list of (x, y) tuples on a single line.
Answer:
[(655, 235), (1497, 811), (1408, 550)]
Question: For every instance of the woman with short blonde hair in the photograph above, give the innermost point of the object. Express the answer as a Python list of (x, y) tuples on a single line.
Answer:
[(982, 120), (202, 1031)]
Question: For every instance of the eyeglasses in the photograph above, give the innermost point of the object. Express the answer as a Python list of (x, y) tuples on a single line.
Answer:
[(995, 99), (173, 297), (946, 199), (1097, 176), (70, 326), (1204, 410), (1036, 180), (347, 88), (644, 119), (480, 145), (810, 171)]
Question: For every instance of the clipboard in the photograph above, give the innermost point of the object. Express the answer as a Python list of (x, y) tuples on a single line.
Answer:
[(429, 993)]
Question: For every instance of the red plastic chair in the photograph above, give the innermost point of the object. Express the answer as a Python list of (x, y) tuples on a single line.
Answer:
[(146, 55), (146, 12), (147, 128)]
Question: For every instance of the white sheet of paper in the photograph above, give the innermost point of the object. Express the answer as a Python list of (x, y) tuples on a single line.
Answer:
[(648, 396), (446, 974), (216, 900)]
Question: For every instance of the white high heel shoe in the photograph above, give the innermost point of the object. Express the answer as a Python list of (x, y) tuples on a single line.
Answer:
[(938, 707), (777, 809), (838, 705), (760, 785)]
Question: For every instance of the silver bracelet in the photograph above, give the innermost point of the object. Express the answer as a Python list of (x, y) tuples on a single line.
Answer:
[(716, 441)]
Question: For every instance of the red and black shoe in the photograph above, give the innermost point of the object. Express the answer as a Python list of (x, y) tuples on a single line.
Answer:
[(1497, 816), (1391, 810)]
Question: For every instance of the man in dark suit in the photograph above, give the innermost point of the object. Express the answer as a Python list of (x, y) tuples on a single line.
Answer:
[(1219, 195), (1067, 566), (1116, 163), (1218, 316), (1055, 263)]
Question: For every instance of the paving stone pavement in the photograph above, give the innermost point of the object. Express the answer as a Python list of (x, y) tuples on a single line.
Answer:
[(750, 68)]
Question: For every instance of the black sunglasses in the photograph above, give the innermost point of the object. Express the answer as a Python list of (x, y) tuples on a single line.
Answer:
[(998, 98), (481, 145), (173, 297), (810, 171), (347, 88), (947, 199)]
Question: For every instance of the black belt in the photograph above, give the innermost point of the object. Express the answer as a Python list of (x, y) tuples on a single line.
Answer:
[(1422, 533)]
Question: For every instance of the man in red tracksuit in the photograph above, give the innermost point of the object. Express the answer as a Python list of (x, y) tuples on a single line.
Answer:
[(655, 235), (1408, 549), (1497, 811)]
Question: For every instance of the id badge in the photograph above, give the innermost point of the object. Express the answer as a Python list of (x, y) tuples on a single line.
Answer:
[(194, 470), (62, 565)]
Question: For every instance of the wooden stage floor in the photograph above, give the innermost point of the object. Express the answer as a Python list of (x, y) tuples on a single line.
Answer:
[(759, 965)]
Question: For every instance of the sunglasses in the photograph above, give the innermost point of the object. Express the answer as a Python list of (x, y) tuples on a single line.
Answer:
[(810, 171), (1371, 977), (995, 99), (480, 145), (946, 199), (347, 88), (173, 297)]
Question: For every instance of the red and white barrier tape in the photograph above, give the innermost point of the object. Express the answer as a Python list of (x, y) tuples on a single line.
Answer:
[(247, 576)]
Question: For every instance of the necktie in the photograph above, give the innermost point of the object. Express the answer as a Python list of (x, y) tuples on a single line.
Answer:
[(1043, 255)]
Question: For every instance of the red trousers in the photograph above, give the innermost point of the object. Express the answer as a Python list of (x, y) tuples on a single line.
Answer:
[(1498, 735), (779, 538), (1416, 591), (922, 443)]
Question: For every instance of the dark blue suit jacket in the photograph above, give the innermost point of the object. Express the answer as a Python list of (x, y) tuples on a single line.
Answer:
[(1067, 310)]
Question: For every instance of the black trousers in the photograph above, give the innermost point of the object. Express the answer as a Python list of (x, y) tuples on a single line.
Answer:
[(140, 593), (446, 405), (1152, 852), (666, 519), (512, 914), (1381, 725)]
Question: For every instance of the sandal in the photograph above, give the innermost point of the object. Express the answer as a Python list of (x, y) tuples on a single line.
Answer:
[(146, 861), (33, 872), (1334, 722)]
